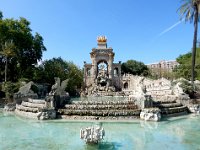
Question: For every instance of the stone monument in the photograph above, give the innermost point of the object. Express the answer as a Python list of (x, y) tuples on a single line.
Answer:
[(102, 75)]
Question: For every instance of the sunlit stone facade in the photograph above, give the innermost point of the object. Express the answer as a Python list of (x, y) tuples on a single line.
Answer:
[(102, 67)]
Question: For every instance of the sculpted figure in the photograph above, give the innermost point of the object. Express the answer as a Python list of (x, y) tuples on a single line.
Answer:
[(57, 96), (57, 88)]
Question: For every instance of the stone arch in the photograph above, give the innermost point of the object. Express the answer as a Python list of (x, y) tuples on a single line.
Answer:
[(88, 72), (126, 85), (102, 68), (116, 72)]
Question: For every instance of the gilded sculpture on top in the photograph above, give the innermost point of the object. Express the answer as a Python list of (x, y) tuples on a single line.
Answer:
[(101, 39)]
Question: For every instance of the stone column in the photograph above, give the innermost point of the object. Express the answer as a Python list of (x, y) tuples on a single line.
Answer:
[(85, 74), (119, 75), (94, 68), (110, 66)]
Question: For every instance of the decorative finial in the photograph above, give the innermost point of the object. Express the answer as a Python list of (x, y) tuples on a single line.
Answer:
[(101, 39)]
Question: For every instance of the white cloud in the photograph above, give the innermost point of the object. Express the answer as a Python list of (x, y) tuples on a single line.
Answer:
[(170, 28)]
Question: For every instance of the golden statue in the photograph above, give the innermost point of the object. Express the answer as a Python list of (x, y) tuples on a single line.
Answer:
[(101, 39)]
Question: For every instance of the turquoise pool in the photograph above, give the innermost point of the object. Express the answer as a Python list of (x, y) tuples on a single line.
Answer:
[(180, 133)]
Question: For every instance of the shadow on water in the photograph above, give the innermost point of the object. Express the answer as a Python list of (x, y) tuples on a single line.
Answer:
[(103, 146), (168, 120)]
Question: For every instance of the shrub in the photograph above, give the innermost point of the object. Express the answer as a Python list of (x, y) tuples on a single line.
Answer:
[(9, 88)]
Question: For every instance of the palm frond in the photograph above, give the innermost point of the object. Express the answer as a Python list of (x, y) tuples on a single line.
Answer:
[(188, 9), (7, 49)]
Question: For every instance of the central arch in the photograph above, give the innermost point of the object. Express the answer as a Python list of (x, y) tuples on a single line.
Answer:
[(102, 68)]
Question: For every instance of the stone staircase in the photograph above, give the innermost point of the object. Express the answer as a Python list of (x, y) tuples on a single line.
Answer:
[(36, 109), (170, 108), (101, 109)]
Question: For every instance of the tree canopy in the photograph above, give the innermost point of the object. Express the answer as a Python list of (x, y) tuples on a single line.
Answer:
[(28, 47), (57, 67), (135, 67), (184, 69)]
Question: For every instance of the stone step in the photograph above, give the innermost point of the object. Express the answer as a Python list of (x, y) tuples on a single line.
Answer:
[(27, 109), (163, 102), (168, 105), (175, 114), (33, 105), (125, 102), (135, 112), (100, 107), (173, 110), (36, 101), (31, 115)]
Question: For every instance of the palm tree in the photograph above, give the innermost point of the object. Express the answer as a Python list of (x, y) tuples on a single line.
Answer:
[(190, 12), (7, 52)]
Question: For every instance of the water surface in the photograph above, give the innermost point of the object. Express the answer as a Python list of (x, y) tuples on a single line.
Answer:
[(180, 133)]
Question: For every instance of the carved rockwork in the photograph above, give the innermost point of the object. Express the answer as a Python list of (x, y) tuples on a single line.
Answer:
[(161, 89)]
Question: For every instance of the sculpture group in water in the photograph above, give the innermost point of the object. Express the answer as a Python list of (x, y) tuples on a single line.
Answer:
[(92, 134)]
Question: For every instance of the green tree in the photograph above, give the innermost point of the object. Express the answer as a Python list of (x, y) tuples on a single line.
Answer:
[(189, 10), (28, 47), (1, 15), (184, 68), (135, 67), (7, 51), (57, 67)]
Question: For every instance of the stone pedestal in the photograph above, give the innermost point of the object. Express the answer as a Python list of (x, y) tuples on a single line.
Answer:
[(150, 114)]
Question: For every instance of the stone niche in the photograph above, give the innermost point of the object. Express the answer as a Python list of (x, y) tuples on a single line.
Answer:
[(102, 75)]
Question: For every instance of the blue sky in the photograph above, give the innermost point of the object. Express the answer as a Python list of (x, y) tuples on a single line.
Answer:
[(147, 31)]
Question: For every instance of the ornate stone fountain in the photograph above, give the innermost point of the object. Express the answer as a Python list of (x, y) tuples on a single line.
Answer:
[(102, 77)]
